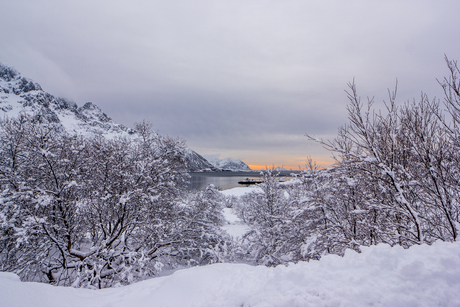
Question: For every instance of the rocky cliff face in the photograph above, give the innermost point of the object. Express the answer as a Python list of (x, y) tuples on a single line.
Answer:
[(21, 95)]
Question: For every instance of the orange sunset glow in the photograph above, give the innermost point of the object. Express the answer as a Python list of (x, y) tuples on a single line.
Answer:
[(294, 164)]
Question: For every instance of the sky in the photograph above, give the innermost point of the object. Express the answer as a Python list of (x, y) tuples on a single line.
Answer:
[(235, 79)]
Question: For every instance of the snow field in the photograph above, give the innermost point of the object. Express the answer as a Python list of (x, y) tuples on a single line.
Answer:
[(379, 276)]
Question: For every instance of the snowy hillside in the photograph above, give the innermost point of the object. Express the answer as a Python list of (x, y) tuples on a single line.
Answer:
[(230, 164), (19, 94), (379, 276), (196, 162)]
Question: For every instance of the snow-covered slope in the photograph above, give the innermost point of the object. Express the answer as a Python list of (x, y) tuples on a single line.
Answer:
[(422, 276), (196, 162), (19, 94), (230, 164)]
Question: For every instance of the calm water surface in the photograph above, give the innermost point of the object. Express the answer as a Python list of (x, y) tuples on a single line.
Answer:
[(223, 180)]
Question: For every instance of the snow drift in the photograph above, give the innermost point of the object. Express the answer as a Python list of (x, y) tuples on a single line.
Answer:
[(379, 276)]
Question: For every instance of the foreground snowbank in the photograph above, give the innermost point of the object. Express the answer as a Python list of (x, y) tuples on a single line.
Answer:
[(379, 276)]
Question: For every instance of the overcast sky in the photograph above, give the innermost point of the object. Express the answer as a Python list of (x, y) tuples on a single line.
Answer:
[(240, 79)]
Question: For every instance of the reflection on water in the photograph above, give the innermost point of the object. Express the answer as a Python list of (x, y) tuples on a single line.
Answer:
[(222, 180)]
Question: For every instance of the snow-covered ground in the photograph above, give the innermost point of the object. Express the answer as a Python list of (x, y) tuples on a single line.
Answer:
[(379, 276), (234, 227), (241, 191)]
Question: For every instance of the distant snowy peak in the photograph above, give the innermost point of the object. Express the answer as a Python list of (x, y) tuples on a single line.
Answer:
[(19, 94), (281, 169), (230, 164)]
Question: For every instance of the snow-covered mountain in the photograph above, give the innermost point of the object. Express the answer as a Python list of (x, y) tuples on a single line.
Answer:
[(196, 162), (281, 169), (19, 94), (230, 165)]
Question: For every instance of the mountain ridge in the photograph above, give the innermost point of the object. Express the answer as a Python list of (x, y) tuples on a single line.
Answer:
[(229, 164), (19, 94)]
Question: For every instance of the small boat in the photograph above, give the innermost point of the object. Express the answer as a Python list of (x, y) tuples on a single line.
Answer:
[(250, 181)]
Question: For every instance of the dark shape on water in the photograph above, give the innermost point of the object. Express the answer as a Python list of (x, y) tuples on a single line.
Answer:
[(250, 181)]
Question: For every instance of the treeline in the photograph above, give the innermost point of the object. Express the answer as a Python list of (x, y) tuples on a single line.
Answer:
[(396, 180), (95, 212)]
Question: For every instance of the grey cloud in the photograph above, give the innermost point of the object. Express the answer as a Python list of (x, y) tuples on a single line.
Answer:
[(227, 75)]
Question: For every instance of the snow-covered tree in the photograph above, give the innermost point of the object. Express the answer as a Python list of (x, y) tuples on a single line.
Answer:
[(200, 238), (407, 157), (86, 211)]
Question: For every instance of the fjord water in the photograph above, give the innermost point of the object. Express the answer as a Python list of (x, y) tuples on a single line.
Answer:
[(225, 180)]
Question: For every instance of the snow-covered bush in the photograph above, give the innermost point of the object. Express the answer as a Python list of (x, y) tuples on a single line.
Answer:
[(405, 161), (302, 220), (200, 237), (87, 211), (276, 216), (395, 181)]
